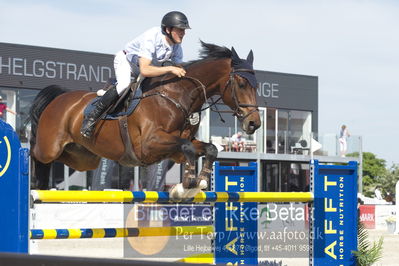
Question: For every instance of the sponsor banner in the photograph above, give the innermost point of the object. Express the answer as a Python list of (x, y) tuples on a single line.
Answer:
[(23, 66), (172, 247), (335, 203), (283, 230), (155, 175), (236, 223), (367, 216), (14, 181), (102, 176)]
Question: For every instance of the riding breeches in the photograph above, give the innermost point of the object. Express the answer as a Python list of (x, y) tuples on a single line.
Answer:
[(124, 71)]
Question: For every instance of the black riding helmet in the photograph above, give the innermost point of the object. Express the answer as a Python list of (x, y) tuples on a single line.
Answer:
[(174, 19)]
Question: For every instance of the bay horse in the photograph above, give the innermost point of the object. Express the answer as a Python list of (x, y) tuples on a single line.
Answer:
[(159, 128)]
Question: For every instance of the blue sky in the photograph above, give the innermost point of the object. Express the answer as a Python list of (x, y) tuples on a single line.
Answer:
[(352, 46)]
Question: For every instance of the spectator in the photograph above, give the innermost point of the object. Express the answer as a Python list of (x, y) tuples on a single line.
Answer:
[(238, 142), (343, 135), (4, 108), (377, 193)]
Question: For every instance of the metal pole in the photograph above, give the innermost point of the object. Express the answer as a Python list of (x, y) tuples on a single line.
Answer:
[(136, 186), (310, 146), (66, 177), (360, 170), (397, 208)]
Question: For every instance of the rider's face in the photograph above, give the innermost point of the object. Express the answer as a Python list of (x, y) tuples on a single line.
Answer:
[(177, 34)]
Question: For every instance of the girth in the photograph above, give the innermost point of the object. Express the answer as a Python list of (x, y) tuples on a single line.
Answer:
[(128, 158)]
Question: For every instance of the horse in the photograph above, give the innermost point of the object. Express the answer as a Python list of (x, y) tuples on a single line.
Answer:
[(159, 128)]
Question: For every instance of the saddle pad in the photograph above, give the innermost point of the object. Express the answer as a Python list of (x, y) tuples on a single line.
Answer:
[(113, 116)]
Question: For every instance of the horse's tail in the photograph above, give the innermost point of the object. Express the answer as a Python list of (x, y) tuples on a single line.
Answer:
[(41, 101)]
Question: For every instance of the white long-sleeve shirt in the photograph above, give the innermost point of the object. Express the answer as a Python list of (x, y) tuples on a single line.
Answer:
[(152, 45)]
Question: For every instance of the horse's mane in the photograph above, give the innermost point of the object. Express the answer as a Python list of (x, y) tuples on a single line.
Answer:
[(211, 51), (208, 52)]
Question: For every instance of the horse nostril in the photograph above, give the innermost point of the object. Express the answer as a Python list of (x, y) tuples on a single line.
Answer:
[(251, 125)]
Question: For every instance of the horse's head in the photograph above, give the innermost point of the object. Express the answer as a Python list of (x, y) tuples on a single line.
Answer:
[(240, 92)]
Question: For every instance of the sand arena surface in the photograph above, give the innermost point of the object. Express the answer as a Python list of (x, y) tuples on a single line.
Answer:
[(390, 253)]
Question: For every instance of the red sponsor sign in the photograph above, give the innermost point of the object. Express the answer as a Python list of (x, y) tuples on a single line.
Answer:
[(367, 216)]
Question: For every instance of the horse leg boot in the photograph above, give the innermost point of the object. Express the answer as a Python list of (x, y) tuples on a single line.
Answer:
[(211, 153), (189, 187), (189, 180), (101, 105)]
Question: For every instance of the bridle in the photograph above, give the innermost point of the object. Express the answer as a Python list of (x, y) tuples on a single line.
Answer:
[(237, 110)]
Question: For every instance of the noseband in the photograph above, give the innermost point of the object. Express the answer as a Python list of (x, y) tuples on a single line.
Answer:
[(237, 110)]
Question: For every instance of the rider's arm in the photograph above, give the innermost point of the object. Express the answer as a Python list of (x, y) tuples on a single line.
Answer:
[(148, 70)]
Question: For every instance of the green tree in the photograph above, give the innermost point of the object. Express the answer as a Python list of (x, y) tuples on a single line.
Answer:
[(373, 166), (387, 182), (373, 169)]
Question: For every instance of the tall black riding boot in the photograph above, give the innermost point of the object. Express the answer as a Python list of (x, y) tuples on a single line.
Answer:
[(101, 105)]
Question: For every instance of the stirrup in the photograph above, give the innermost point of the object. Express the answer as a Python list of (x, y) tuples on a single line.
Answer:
[(87, 129), (87, 133)]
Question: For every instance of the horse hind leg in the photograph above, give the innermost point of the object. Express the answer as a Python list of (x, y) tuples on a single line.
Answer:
[(40, 176)]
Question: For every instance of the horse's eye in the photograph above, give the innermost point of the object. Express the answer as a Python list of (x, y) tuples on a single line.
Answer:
[(241, 84)]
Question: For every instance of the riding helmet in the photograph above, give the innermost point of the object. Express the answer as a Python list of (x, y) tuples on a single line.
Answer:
[(175, 19)]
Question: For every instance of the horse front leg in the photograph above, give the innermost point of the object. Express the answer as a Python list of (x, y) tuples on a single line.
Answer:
[(165, 145), (191, 152), (191, 184), (211, 152), (189, 178)]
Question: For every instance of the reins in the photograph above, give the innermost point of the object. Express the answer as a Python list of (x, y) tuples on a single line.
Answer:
[(213, 106)]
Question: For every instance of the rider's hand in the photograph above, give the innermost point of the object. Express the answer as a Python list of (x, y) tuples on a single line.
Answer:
[(178, 71)]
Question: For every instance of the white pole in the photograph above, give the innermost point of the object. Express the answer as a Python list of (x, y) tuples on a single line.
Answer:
[(11, 103), (397, 208), (310, 146), (66, 177), (136, 186)]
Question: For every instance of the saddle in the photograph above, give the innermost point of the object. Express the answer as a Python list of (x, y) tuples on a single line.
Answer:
[(125, 105)]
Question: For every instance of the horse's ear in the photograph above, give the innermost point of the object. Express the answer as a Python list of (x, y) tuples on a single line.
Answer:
[(234, 53), (250, 58)]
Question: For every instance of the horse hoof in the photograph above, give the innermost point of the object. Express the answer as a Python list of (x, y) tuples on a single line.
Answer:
[(190, 193), (203, 184), (177, 192)]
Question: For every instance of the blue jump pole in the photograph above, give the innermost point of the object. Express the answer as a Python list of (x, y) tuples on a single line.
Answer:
[(14, 192)]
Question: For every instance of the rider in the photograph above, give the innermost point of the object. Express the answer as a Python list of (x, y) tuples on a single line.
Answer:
[(143, 56)]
